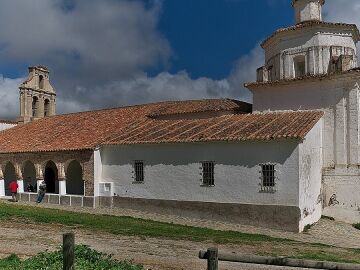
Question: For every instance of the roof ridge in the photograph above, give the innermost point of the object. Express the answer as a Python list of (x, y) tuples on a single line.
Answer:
[(144, 105)]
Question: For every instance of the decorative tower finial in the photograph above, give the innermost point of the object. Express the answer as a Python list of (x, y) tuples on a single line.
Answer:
[(308, 10), (37, 96)]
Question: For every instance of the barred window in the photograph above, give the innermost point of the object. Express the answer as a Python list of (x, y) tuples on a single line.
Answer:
[(267, 177), (208, 173), (139, 171)]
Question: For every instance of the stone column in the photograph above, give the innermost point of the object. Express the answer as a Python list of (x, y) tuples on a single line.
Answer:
[(39, 175), (19, 178), (52, 109), (29, 104), (2, 183), (40, 107), (61, 178), (22, 103)]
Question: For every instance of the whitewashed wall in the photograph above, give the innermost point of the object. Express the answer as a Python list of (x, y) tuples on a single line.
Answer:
[(337, 96), (172, 172), (310, 163)]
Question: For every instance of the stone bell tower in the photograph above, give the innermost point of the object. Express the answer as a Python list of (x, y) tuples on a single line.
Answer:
[(37, 96)]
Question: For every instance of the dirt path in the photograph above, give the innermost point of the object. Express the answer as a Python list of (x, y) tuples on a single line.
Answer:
[(26, 240)]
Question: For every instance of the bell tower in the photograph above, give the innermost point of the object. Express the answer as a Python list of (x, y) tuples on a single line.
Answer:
[(37, 96)]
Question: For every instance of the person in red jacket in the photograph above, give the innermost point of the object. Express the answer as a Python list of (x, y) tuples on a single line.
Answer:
[(13, 186)]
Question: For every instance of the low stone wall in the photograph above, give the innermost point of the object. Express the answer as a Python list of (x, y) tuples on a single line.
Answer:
[(69, 200), (269, 216)]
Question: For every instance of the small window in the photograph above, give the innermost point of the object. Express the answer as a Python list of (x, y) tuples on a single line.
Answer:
[(208, 173), (299, 66), (267, 178), (139, 171)]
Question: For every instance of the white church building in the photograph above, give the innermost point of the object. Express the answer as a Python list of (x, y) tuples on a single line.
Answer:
[(281, 162)]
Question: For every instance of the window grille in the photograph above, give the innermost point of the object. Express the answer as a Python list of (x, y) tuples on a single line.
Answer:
[(267, 178), (208, 173), (139, 171)]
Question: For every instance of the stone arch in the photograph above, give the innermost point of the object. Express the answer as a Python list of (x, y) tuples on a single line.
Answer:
[(51, 177), (9, 175), (74, 178), (29, 175)]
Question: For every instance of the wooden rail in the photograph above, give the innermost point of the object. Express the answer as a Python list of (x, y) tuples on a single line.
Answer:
[(213, 256)]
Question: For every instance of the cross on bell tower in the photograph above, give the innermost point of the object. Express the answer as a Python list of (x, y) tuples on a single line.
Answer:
[(37, 96)]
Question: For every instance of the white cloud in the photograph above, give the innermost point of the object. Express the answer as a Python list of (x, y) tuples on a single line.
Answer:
[(9, 97), (97, 53)]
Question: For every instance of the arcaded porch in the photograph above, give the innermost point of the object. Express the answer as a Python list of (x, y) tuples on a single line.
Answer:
[(65, 173)]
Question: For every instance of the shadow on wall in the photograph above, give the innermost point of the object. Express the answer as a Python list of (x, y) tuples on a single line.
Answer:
[(246, 154)]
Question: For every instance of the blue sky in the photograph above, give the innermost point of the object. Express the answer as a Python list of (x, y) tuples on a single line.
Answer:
[(109, 53), (208, 36)]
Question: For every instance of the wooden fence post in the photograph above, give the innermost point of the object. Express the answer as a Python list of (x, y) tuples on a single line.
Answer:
[(68, 251), (212, 258)]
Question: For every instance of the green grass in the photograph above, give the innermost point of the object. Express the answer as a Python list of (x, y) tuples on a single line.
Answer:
[(259, 244), (85, 259), (357, 226), (129, 226)]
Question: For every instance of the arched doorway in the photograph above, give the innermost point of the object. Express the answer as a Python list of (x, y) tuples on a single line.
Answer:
[(74, 179), (51, 178), (29, 175), (9, 175)]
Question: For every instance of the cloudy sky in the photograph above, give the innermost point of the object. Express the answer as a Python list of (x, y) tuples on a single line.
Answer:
[(106, 53)]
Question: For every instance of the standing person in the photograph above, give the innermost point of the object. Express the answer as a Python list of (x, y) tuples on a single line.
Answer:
[(41, 192), (13, 186)]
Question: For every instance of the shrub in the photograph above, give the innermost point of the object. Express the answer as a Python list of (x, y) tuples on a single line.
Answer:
[(85, 259)]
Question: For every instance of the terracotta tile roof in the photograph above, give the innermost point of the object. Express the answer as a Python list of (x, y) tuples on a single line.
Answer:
[(196, 106), (86, 130), (305, 24), (233, 127), (353, 71)]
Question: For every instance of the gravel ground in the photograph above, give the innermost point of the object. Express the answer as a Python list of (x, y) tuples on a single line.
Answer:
[(159, 254)]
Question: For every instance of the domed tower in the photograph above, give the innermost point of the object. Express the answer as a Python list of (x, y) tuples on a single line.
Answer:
[(37, 96), (310, 47)]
